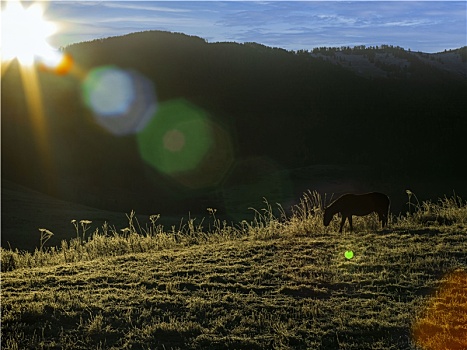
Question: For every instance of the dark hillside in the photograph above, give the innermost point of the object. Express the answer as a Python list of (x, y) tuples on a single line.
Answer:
[(290, 110), (264, 90)]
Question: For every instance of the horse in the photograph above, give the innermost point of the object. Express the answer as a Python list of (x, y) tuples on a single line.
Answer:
[(359, 205)]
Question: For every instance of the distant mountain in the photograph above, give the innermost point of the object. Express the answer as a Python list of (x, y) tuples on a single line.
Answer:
[(399, 113), (395, 62)]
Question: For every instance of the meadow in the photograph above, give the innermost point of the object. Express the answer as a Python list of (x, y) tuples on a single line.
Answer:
[(281, 281)]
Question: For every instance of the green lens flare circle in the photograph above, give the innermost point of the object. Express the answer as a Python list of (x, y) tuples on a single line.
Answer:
[(348, 254), (177, 138)]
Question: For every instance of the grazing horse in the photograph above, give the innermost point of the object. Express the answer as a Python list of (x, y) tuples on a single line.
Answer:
[(360, 205)]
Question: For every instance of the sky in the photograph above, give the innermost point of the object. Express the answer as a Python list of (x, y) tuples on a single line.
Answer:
[(427, 26)]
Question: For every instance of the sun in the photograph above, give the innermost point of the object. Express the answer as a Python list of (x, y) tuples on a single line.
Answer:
[(25, 33)]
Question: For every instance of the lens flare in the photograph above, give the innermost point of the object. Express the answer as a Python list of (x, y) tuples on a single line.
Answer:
[(60, 64), (349, 254), (216, 163), (176, 139), (123, 101), (108, 91), (182, 142), (442, 323)]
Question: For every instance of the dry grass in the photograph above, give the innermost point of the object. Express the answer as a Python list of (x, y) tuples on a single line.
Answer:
[(274, 283)]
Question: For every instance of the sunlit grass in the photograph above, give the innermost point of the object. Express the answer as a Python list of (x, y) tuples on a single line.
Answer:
[(306, 219), (277, 282)]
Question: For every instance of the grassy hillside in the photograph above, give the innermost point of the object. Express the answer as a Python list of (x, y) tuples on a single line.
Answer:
[(274, 283)]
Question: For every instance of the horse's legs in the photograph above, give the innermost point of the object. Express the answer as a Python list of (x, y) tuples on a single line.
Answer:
[(383, 217), (342, 223)]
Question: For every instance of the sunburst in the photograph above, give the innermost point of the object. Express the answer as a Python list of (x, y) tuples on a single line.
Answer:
[(25, 33), (24, 39)]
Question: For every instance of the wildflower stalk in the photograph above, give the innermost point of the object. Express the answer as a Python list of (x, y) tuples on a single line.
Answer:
[(75, 224), (85, 226), (45, 236)]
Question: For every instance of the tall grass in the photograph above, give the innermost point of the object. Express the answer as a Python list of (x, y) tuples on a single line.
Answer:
[(306, 219), (445, 211)]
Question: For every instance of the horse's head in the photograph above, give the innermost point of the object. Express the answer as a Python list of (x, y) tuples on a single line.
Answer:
[(327, 216)]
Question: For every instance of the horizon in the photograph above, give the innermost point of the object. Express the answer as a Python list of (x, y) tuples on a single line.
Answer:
[(425, 26), (381, 46)]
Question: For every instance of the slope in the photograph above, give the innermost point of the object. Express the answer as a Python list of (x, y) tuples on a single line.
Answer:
[(270, 289)]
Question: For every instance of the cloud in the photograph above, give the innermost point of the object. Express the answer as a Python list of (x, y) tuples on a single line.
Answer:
[(148, 6)]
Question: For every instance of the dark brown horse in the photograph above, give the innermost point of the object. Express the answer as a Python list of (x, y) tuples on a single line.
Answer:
[(360, 205)]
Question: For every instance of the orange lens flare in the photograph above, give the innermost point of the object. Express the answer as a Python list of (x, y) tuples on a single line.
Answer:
[(62, 67), (443, 322)]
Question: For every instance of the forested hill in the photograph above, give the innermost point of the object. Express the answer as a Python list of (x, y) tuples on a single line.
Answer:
[(396, 111), (298, 106)]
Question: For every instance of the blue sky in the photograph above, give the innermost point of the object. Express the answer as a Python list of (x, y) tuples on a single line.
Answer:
[(428, 26)]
